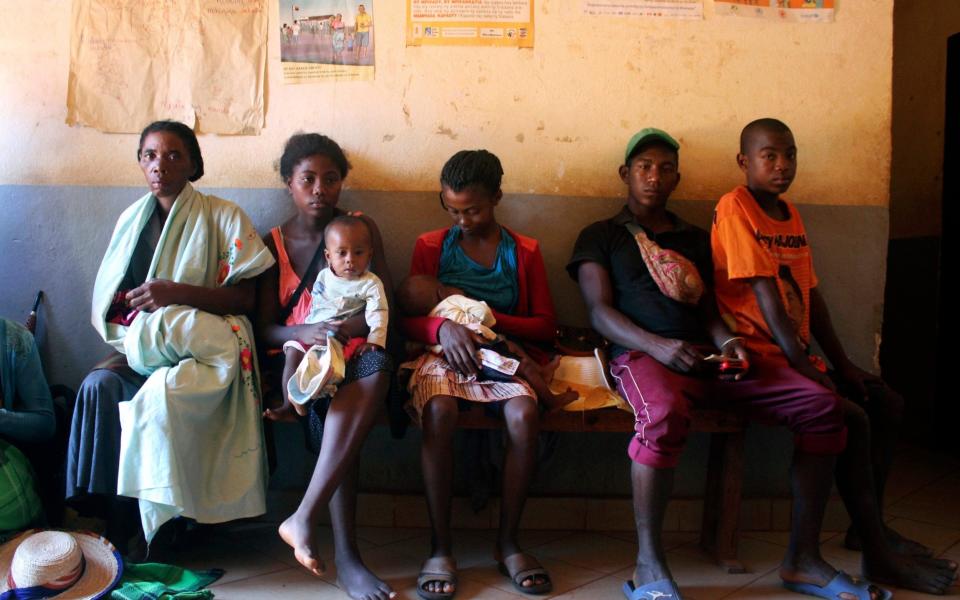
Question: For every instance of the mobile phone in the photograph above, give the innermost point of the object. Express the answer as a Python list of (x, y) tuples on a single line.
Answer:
[(726, 367)]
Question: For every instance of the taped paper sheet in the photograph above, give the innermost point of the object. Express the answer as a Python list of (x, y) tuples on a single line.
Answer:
[(202, 62)]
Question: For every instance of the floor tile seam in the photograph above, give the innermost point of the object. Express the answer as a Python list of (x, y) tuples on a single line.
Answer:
[(392, 542), (695, 543), (582, 585), (567, 535), (952, 525), (921, 522), (746, 535), (494, 566), (749, 583), (595, 576), (928, 485), (834, 536), (591, 569), (283, 567), (262, 551)]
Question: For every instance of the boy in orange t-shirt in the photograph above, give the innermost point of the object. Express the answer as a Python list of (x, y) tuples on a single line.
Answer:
[(767, 293)]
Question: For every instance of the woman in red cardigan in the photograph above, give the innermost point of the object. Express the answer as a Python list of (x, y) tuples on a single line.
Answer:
[(504, 269)]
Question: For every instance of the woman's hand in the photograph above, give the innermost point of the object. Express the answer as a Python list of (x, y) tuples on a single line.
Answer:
[(316, 334), (155, 294), (459, 347)]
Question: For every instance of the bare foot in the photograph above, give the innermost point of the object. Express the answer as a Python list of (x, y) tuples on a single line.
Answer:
[(558, 401), (920, 573), (358, 582), (284, 414), (896, 542), (298, 534)]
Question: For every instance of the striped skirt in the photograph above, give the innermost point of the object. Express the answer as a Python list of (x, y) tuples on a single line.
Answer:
[(433, 376)]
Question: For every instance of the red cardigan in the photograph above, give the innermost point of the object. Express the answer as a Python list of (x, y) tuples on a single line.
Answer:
[(534, 318)]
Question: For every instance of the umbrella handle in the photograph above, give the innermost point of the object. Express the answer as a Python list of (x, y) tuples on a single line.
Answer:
[(31, 322)]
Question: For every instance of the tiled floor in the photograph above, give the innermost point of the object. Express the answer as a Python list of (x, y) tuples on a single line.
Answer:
[(922, 503)]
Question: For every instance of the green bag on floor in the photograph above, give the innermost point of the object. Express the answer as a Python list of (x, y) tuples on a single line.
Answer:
[(156, 581), (19, 503)]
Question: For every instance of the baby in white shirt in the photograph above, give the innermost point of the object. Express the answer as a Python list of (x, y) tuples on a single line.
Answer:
[(343, 289)]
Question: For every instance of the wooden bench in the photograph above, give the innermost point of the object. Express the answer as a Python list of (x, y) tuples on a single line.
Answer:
[(719, 534), (721, 501)]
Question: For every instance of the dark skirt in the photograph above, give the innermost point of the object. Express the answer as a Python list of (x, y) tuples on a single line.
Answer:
[(93, 451), (357, 367)]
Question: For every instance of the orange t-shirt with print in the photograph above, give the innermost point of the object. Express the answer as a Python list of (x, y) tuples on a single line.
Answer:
[(747, 243)]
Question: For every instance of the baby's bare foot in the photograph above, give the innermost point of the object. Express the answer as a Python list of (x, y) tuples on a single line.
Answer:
[(284, 414)]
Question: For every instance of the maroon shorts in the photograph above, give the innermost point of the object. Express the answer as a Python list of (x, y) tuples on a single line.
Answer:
[(769, 393)]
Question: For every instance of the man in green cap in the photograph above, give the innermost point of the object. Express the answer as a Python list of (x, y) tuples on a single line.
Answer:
[(646, 276)]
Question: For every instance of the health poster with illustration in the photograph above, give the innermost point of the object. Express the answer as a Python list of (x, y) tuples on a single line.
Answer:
[(326, 40), (802, 11), (473, 23), (665, 9), (202, 62)]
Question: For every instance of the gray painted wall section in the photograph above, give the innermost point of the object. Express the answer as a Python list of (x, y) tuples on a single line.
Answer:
[(53, 238)]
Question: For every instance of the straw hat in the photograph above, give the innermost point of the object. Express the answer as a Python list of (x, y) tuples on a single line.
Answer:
[(70, 565)]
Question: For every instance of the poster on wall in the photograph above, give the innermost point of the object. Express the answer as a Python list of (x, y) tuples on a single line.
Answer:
[(202, 62), (326, 40), (802, 11), (473, 23), (668, 9)]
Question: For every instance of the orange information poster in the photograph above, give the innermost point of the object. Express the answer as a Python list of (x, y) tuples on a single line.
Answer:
[(802, 11), (667, 9), (470, 23)]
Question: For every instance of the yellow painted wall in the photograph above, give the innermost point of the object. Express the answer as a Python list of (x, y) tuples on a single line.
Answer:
[(558, 115), (920, 35)]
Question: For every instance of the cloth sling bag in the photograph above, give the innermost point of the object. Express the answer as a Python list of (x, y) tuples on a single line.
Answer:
[(310, 273), (675, 275)]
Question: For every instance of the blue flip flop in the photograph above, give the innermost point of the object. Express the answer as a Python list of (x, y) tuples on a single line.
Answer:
[(661, 589), (840, 584)]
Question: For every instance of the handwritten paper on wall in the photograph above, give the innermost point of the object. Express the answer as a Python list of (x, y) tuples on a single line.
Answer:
[(202, 62), (803, 11), (669, 9), (473, 23)]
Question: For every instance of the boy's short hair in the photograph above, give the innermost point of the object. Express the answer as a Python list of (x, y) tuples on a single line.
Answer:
[(766, 124), (348, 221), (472, 167), (649, 136)]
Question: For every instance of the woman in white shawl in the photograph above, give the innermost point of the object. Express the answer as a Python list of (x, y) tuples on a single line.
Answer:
[(171, 418)]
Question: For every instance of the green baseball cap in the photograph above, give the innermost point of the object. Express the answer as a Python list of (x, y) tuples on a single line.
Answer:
[(646, 135)]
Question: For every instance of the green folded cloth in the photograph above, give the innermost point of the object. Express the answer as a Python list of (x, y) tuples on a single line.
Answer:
[(156, 581)]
